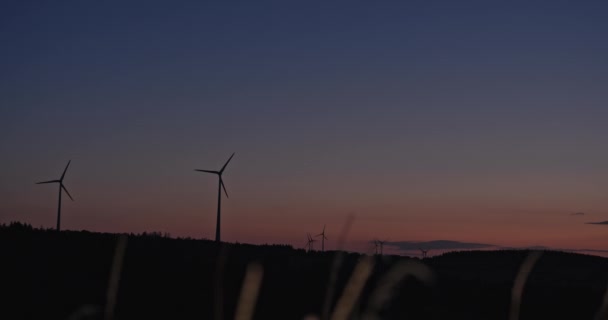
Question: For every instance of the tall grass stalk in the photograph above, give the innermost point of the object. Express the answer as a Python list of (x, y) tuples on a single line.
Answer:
[(520, 282), (249, 292), (112, 292), (353, 289), (388, 285), (335, 268)]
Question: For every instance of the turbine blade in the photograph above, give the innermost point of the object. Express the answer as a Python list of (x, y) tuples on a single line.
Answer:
[(65, 170), (208, 171), (223, 187), (225, 164), (66, 191), (50, 181)]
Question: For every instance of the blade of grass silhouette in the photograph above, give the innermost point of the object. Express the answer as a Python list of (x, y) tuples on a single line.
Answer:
[(66, 191), (388, 285), (520, 282), (117, 263), (335, 267), (353, 289), (249, 292)]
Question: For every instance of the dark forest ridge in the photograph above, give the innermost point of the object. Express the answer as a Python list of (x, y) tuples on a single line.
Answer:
[(52, 275)]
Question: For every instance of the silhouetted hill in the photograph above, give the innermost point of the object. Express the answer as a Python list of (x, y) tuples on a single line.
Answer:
[(50, 275)]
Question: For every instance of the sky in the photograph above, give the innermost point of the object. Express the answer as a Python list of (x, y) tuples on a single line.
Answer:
[(471, 121)]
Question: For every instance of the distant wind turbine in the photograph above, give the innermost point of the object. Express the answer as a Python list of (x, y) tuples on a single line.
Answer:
[(323, 238), (61, 187), (376, 244), (310, 242), (381, 244), (219, 195)]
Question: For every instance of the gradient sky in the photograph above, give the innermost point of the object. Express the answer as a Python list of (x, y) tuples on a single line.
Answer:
[(481, 121)]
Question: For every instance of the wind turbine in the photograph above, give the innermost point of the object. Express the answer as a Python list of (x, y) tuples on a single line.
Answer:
[(381, 243), (219, 195), (323, 238), (310, 242), (61, 187), (376, 243)]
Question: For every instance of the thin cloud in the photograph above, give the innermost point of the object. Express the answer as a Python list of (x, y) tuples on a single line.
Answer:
[(438, 245), (577, 214), (449, 245), (602, 222), (588, 250)]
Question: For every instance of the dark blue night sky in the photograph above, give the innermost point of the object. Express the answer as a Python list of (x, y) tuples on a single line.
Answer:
[(479, 121)]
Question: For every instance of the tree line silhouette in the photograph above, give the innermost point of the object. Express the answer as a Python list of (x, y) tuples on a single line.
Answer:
[(55, 275)]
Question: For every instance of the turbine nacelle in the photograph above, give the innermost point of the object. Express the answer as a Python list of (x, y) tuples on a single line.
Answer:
[(322, 234), (60, 181), (219, 173)]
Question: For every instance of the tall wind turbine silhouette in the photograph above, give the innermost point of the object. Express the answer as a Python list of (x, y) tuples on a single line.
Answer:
[(323, 238), (61, 187), (219, 195)]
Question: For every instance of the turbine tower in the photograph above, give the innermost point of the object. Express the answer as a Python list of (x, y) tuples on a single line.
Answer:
[(61, 188), (323, 238), (219, 195)]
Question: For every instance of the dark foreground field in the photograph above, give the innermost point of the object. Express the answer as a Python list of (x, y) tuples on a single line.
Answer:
[(50, 275)]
